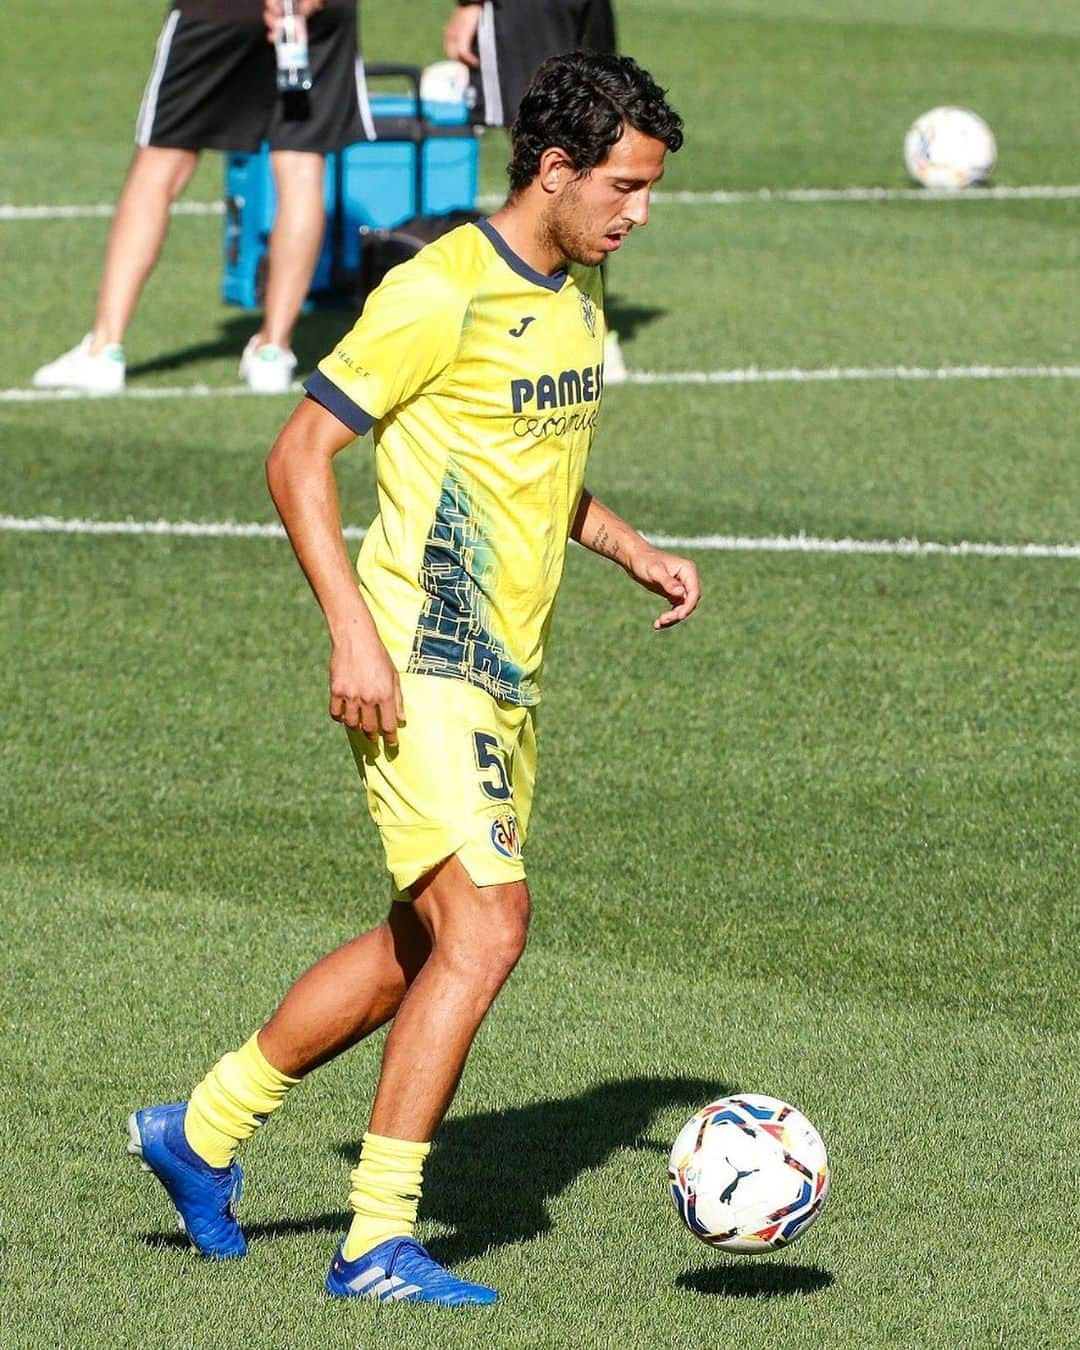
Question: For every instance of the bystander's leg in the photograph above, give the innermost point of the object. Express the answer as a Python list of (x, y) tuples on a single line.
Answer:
[(157, 177), (295, 242), (268, 363)]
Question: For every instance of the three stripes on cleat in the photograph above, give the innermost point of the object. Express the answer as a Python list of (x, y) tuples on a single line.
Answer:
[(375, 1283)]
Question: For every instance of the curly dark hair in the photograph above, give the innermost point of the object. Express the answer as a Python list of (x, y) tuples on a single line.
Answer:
[(580, 102)]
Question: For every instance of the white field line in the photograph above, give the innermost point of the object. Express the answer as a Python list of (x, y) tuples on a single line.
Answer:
[(903, 548), (811, 196), (189, 529), (750, 197), (727, 543), (749, 375), (833, 374), (148, 391), (99, 211)]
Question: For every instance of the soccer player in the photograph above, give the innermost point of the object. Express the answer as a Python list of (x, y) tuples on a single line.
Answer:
[(502, 44), (479, 365)]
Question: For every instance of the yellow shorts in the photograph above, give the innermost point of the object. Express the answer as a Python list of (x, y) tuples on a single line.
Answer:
[(460, 781)]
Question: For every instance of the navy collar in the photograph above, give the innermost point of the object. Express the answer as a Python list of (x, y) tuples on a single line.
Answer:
[(518, 264)]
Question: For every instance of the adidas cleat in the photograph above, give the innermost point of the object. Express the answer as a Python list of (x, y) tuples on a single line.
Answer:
[(401, 1271), (205, 1197)]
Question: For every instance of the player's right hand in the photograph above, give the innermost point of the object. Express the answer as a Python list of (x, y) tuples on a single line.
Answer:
[(459, 35), (365, 692)]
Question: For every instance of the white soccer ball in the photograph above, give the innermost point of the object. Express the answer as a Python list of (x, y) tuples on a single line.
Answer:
[(949, 148), (748, 1174)]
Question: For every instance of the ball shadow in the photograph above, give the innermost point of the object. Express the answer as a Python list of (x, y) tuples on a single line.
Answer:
[(760, 1280)]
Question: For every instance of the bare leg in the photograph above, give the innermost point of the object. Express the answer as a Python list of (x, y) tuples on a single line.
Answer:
[(156, 178), (347, 995), (295, 242), (477, 934)]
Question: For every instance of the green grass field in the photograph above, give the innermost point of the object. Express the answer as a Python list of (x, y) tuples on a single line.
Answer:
[(820, 843)]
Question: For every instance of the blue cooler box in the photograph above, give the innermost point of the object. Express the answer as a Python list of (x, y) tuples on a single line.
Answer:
[(376, 182)]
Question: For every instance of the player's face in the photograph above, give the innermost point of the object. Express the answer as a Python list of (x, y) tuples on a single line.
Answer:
[(594, 212)]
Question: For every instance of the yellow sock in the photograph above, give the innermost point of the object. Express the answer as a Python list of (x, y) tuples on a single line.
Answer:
[(386, 1186), (232, 1101)]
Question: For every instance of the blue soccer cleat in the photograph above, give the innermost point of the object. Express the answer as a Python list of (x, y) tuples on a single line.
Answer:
[(400, 1271), (205, 1197)]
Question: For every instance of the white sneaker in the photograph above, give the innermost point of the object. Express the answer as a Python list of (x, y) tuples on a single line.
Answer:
[(615, 371), (267, 369), (77, 369)]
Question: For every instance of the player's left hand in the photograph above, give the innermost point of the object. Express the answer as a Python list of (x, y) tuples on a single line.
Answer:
[(676, 579)]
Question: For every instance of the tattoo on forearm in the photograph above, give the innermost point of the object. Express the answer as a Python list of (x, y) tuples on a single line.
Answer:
[(603, 543)]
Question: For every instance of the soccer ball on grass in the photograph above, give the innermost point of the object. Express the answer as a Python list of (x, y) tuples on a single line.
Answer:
[(949, 148), (748, 1173)]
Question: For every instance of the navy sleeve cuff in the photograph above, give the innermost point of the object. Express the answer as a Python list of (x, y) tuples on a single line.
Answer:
[(326, 393)]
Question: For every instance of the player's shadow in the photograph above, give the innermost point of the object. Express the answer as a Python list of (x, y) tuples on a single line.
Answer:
[(493, 1175), (319, 329), (756, 1279), (628, 319), (332, 1224), (316, 334)]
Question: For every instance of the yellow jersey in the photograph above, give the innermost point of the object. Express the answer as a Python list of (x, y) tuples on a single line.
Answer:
[(482, 380)]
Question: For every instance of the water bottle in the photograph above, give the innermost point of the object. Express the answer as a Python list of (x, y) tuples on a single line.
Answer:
[(291, 50)]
